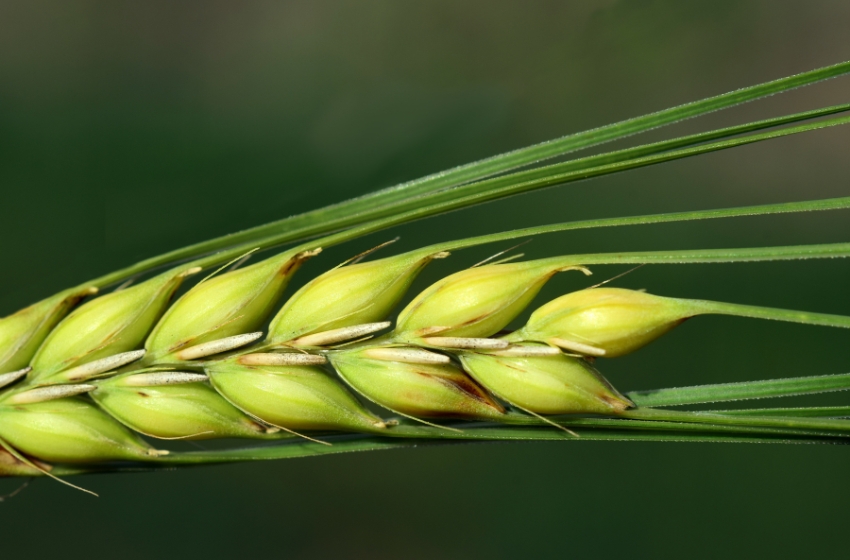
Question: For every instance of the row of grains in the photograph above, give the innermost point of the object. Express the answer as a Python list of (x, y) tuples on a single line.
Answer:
[(81, 384)]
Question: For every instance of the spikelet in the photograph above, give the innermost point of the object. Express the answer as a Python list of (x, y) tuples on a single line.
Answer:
[(357, 294), (69, 430), (474, 303), (112, 324), (296, 398), (607, 322), (173, 405), (416, 388), (553, 384), (223, 306), (23, 332)]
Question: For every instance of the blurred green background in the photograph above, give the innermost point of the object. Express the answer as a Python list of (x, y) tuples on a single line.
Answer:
[(128, 129)]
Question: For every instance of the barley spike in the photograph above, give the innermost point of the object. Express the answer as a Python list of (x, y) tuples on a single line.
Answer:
[(83, 378)]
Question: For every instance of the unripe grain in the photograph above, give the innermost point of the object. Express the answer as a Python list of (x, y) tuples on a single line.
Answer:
[(23, 332), (477, 302), (190, 410), (422, 390), (605, 322), (556, 384), (292, 397), (70, 430), (111, 324), (230, 304), (350, 295)]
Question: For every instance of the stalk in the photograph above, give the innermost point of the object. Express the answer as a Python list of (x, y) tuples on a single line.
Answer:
[(324, 220), (517, 183), (410, 209), (757, 254), (725, 392), (821, 425), (702, 307), (484, 191), (759, 210), (358, 443), (335, 239), (813, 411), (349, 444)]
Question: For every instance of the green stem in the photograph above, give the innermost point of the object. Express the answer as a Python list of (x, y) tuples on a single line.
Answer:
[(517, 183), (770, 388), (608, 133), (822, 425), (327, 219), (720, 308), (508, 185), (410, 209), (409, 436), (378, 225), (371, 443), (372, 211), (478, 431), (715, 255), (624, 421), (643, 150), (759, 210), (813, 411), (757, 254)]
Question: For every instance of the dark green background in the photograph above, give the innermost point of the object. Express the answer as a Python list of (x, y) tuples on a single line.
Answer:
[(130, 129)]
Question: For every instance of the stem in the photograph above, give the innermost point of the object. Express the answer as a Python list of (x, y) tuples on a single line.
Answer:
[(623, 421), (479, 431), (814, 411), (622, 129), (696, 256), (720, 308), (347, 444), (824, 425), (517, 183), (543, 174), (589, 429), (328, 219), (757, 254), (787, 387), (410, 209), (759, 210)]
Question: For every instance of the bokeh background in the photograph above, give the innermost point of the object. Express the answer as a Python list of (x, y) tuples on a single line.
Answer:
[(129, 129)]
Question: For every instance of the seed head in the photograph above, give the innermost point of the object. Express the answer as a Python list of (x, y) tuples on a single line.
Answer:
[(421, 390), (223, 306), (606, 322), (477, 302), (173, 405), (556, 384), (111, 324), (70, 430), (22, 333), (292, 397)]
